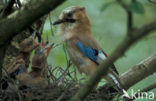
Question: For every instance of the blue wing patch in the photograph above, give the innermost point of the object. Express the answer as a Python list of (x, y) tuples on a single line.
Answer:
[(89, 52), (17, 72)]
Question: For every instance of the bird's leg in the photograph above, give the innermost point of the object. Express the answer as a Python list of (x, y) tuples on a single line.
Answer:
[(113, 79)]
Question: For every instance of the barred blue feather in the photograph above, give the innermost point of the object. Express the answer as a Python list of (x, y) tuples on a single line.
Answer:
[(17, 72), (91, 53)]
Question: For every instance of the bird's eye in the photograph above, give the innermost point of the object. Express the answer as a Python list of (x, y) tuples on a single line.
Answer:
[(70, 14)]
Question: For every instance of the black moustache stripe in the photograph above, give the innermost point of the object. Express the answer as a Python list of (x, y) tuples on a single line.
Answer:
[(64, 20), (70, 20)]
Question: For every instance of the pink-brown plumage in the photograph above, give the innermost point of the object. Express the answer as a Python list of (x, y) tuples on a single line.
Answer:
[(75, 26), (39, 72), (81, 31)]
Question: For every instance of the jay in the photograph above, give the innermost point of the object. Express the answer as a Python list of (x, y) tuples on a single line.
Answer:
[(83, 50), (39, 60), (21, 62), (36, 77)]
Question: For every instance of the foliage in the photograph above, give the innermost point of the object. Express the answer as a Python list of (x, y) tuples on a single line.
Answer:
[(137, 7)]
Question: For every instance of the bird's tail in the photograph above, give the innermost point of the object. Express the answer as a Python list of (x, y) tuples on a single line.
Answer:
[(113, 79)]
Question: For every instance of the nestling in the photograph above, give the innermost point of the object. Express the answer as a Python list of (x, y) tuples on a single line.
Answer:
[(21, 62), (39, 64), (84, 51), (37, 77)]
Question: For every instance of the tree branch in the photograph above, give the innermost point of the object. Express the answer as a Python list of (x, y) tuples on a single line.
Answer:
[(7, 9), (134, 75), (129, 16), (154, 2), (139, 72), (118, 52), (24, 17)]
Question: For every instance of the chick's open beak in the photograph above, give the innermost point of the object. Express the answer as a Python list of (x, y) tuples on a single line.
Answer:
[(48, 49), (34, 42)]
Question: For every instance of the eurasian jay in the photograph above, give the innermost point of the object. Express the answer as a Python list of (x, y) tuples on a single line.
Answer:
[(36, 77), (39, 60), (21, 62), (84, 51)]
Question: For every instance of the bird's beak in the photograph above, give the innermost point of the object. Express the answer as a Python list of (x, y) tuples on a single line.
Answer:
[(64, 20), (34, 42), (59, 21), (33, 38), (42, 44), (49, 48)]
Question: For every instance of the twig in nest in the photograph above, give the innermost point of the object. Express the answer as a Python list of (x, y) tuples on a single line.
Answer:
[(60, 98), (51, 74)]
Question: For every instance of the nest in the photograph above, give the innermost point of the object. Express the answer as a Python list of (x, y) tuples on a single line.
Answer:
[(63, 84)]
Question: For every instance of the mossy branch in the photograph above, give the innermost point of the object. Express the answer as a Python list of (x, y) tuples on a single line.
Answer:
[(24, 17)]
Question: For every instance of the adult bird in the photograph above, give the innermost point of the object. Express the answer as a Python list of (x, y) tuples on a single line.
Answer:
[(84, 51)]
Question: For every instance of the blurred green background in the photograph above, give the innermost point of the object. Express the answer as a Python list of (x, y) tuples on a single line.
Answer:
[(108, 20)]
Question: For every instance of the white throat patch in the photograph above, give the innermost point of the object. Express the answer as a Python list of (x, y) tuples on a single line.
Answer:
[(65, 32)]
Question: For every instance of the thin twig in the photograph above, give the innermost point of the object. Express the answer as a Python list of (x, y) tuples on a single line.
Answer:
[(51, 24), (51, 74), (154, 2), (60, 98), (129, 16)]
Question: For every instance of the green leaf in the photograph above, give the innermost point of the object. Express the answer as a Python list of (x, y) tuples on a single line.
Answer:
[(137, 7), (105, 5)]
